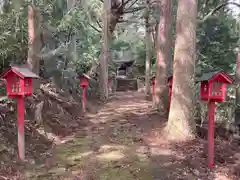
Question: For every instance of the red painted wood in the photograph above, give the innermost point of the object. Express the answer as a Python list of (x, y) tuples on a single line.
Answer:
[(211, 112), (83, 81), (221, 76), (84, 98), (17, 86), (153, 87), (21, 139), (10, 72), (170, 81), (224, 91), (215, 88), (169, 96)]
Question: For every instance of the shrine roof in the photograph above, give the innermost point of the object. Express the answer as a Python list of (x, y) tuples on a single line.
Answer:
[(22, 70)]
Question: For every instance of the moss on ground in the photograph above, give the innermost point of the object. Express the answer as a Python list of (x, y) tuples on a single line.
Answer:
[(77, 158)]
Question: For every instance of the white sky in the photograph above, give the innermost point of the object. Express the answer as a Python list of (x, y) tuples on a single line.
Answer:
[(235, 9)]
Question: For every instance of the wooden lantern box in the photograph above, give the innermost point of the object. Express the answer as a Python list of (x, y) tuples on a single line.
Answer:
[(213, 89), (153, 81), (213, 86), (83, 79), (170, 81), (18, 85), (19, 81)]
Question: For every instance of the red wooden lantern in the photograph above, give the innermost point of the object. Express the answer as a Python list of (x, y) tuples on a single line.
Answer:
[(213, 86), (213, 89), (153, 81), (83, 79), (18, 85), (170, 80), (19, 81)]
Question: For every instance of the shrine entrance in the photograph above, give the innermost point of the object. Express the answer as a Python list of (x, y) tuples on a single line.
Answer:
[(125, 79)]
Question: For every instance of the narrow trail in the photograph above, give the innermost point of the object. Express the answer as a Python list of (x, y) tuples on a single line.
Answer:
[(121, 141)]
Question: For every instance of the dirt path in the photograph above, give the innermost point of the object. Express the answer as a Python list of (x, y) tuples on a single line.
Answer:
[(122, 142)]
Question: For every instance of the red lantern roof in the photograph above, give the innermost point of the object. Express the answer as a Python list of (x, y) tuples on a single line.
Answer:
[(22, 71), (211, 76), (84, 76)]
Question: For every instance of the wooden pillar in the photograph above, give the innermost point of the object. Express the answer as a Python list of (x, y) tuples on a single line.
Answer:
[(84, 98), (211, 113), (21, 138)]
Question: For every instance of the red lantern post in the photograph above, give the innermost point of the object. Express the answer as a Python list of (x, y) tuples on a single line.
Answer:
[(153, 86), (18, 85), (84, 83), (170, 78), (213, 89)]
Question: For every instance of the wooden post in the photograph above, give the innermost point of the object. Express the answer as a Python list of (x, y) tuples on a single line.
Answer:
[(84, 98), (211, 112), (21, 138)]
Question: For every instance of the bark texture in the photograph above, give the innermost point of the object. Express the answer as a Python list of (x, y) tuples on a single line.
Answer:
[(34, 43), (238, 78), (70, 5), (148, 49), (237, 110), (104, 55), (181, 124), (163, 55)]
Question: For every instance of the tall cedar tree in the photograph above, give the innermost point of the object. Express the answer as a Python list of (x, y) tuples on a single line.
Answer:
[(148, 48), (163, 54), (104, 55), (34, 43), (181, 125)]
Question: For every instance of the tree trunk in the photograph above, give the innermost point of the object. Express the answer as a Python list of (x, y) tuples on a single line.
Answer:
[(72, 49), (181, 124), (34, 43), (238, 78), (71, 4), (104, 55), (163, 55), (237, 110), (148, 48)]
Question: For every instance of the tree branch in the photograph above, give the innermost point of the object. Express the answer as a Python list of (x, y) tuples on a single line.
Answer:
[(100, 26), (56, 52), (95, 28), (126, 2), (134, 2), (127, 21), (217, 9), (132, 10)]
